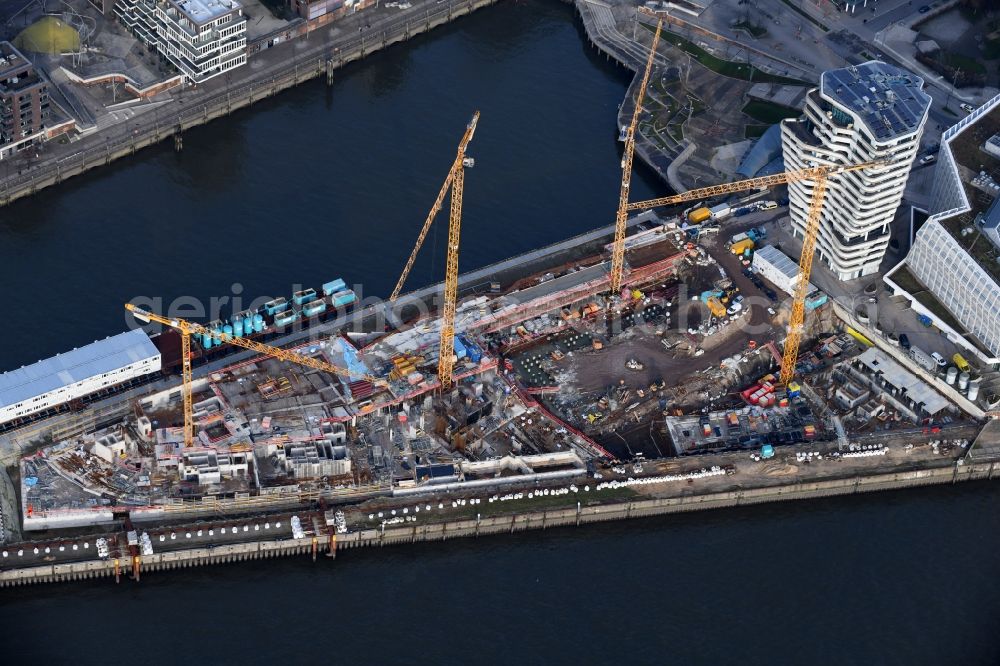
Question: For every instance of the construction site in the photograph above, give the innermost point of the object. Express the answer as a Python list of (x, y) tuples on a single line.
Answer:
[(654, 363)]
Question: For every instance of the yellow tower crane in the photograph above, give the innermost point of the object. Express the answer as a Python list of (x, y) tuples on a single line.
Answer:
[(819, 176), (187, 329), (456, 167), (618, 248), (446, 340)]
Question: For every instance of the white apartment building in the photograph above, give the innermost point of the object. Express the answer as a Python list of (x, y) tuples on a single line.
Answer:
[(871, 111), (955, 253), (201, 38), (75, 374)]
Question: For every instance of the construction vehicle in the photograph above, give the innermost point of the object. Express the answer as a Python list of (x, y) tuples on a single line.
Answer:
[(187, 329), (819, 176), (716, 307), (699, 215), (961, 363), (742, 246), (633, 364)]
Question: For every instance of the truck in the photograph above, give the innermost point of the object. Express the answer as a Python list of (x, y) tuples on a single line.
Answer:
[(737, 238), (923, 359), (716, 307), (961, 363), (742, 246), (699, 215), (720, 211)]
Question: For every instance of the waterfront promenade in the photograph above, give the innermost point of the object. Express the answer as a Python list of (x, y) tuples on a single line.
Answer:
[(268, 72)]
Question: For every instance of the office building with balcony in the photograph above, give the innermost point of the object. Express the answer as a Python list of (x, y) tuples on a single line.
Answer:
[(200, 38), (868, 112), (952, 271), (24, 102)]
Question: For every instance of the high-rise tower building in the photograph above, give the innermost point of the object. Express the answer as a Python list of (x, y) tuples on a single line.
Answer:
[(862, 113)]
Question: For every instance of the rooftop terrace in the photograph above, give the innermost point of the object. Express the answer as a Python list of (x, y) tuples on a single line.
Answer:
[(203, 11), (972, 161)]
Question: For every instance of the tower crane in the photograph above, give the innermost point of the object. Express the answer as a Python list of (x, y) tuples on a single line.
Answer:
[(819, 175), (446, 340), (456, 166), (187, 329), (618, 248)]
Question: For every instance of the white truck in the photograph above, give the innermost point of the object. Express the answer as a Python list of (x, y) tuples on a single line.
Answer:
[(923, 359)]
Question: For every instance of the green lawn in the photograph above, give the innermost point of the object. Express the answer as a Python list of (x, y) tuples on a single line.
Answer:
[(965, 63), (734, 70), (905, 279), (769, 112)]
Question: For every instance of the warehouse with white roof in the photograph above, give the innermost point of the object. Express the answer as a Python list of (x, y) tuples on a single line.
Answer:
[(777, 268), (75, 374)]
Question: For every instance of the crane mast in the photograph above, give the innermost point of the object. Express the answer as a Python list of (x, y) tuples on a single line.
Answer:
[(790, 355), (446, 345), (456, 167), (621, 219)]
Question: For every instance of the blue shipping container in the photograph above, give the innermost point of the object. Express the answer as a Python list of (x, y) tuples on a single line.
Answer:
[(814, 301), (276, 306), (304, 296), (331, 288), (310, 309), (473, 350), (344, 298)]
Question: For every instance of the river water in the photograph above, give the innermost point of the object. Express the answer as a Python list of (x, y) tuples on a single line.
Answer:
[(321, 183)]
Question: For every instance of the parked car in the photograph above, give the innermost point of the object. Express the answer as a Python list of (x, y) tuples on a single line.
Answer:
[(940, 359), (904, 341), (927, 159), (771, 312), (924, 9), (968, 108)]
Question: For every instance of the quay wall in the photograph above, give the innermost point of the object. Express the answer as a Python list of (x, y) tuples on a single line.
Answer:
[(199, 110), (503, 524)]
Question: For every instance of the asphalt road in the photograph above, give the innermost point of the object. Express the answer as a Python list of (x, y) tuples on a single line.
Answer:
[(151, 118)]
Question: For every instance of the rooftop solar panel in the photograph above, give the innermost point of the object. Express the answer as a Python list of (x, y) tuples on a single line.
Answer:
[(889, 101)]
